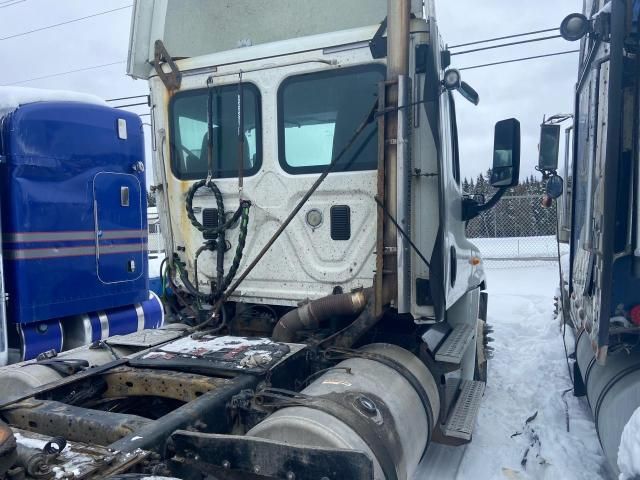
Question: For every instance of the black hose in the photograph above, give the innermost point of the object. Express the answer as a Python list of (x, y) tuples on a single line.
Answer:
[(222, 225), (212, 246), (215, 241), (242, 240)]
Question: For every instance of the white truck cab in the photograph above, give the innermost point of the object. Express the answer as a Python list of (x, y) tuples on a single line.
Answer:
[(307, 75)]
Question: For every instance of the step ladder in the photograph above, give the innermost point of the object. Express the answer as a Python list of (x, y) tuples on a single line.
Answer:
[(462, 417), (455, 345)]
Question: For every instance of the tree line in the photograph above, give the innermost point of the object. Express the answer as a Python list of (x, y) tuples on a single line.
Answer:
[(519, 214)]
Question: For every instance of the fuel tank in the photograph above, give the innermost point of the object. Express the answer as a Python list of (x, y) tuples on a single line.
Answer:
[(381, 411), (613, 391)]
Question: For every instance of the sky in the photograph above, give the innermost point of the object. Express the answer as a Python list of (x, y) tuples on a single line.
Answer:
[(525, 90)]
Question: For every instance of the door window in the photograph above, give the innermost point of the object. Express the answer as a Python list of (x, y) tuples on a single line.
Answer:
[(320, 112), (189, 133)]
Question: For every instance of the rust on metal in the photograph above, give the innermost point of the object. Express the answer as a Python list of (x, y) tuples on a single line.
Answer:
[(171, 79), (7, 448), (185, 387), (73, 423)]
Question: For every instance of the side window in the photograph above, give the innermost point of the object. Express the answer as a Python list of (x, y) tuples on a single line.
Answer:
[(189, 132), (318, 114), (455, 148)]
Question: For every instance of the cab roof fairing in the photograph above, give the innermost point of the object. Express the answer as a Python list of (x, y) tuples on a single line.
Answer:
[(186, 34)]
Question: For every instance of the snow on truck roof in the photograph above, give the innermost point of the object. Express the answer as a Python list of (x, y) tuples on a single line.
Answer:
[(12, 97)]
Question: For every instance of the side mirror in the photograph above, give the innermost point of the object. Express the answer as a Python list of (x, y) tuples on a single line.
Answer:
[(469, 93), (506, 154), (453, 81), (574, 27), (549, 147), (555, 186)]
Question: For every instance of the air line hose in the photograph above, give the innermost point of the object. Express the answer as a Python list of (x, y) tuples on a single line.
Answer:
[(216, 241)]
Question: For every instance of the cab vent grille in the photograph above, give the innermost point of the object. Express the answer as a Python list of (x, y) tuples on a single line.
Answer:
[(209, 220), (340, 222)]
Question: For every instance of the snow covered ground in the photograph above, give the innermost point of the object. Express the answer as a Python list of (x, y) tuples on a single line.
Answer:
[(629, 452), (527, 378), (155, 260)]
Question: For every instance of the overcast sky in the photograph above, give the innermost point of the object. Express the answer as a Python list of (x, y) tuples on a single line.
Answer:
[(525, 90)]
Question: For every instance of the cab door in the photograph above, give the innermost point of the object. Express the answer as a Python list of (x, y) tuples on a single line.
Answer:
[(456, 249)]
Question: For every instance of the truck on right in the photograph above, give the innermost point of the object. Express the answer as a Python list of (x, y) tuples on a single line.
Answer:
[(597, 187)]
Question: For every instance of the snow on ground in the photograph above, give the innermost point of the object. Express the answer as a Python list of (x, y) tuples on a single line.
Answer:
[(527, 375), (629, 451), (155, 260)]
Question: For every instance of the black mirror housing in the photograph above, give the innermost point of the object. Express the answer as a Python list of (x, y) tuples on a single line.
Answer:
[(549, 147), (554, 187), (574, 27), (469, 93), (506, 154)]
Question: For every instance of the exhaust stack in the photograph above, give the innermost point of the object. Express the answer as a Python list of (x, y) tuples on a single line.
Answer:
[(398, 17)]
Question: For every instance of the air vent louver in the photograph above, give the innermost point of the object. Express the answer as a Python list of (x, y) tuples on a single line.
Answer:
[(340, 222), (209, 220)]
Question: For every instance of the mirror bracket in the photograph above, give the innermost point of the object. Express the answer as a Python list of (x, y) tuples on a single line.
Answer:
[(546, 173), (471, 209), (452, 81)]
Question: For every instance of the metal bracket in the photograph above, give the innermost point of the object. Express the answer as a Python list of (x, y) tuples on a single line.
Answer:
[(172, 79), (232, 456), (378, 44), (417, 172)]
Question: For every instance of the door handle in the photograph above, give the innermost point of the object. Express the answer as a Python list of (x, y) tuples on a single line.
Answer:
[(453, 265), (124, 196)]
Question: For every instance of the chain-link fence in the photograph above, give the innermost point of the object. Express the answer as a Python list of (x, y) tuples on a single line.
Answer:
[(518, 229), (156, 242)]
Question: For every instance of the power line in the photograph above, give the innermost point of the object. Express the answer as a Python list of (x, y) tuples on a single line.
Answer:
[(12, 4), (62, 23), (520, 42), (59, 74), (518, 60), (130, 105), (504, 38), (125, 98)]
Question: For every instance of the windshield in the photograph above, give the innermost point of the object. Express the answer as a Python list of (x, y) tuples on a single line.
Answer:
[(318, 115), (189, 138)]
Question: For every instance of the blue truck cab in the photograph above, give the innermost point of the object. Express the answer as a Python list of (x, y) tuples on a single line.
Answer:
[(74, 232)]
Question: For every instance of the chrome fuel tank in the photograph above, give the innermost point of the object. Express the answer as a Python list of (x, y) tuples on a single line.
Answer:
[(375, 391)]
